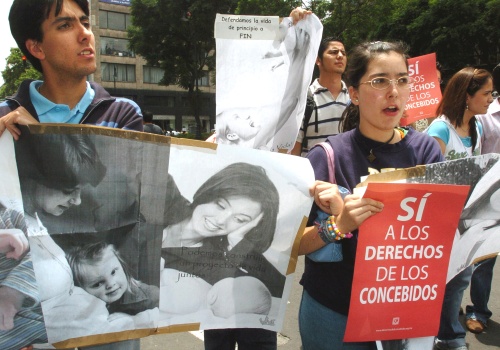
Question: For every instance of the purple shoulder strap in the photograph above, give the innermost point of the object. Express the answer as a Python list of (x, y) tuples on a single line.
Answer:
[(331, 163)]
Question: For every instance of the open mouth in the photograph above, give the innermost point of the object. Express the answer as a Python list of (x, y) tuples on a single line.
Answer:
[(62, 207), (391, 109)]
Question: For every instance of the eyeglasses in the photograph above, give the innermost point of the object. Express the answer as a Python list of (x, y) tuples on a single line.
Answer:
[(335, 52), (381, 83)]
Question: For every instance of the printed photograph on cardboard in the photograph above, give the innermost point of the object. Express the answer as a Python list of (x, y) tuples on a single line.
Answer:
[(101, 202), (83, 196), (262, 86), (18, 289), (227, 248)]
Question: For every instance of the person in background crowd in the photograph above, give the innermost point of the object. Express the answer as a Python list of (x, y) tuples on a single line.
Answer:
[(56, 37), (478, 314), (327, 97), (148, 124), (379, 87), (467, 94)]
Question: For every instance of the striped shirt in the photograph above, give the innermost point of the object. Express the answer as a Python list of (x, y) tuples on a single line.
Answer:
[(19, 275), (326, 115)]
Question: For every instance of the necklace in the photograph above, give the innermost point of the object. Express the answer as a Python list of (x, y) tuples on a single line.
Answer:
[(464, 130), (371, 157)]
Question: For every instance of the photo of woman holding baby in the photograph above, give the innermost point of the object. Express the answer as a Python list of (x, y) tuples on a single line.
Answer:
[(226, 229)]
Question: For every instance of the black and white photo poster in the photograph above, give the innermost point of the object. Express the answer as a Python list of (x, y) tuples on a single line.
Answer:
[(93, 207), (228, 242), (264, 68), (132, 234)]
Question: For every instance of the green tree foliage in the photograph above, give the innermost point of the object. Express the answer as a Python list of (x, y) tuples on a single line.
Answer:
[(352, 21), (460, 32), (280, 8), (16, 70), (178, 36)]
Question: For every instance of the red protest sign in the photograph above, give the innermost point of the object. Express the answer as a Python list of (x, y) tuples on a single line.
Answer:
[(425, 93), (402, 260)]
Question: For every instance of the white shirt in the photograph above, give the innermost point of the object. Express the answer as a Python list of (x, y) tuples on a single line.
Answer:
[(491, 128)]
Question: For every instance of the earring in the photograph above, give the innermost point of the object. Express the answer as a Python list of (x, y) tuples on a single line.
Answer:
[(467, 107), (356, 100)]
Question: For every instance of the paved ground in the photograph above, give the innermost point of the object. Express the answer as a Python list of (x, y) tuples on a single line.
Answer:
[(289, 338)]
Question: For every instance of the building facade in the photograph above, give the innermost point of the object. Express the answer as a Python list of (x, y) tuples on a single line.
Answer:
[(125, 74)]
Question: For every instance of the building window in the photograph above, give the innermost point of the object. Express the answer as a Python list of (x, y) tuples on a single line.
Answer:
[(204, 80), (117, 72), (114, 20), (152, 75), (163, 101), (115, 47)]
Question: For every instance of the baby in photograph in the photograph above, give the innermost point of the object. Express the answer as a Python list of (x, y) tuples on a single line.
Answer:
[(99, 269), (184, 293)]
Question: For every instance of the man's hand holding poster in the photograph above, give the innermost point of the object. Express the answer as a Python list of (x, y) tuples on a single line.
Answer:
[(401, 263)]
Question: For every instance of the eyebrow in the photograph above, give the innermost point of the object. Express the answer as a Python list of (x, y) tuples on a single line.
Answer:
[(70, 19), (375, 75)]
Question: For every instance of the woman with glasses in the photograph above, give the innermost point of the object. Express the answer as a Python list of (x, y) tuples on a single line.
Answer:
[(379, 87), (468, 93)]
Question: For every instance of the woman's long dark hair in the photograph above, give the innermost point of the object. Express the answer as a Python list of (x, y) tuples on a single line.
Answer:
[(465, 82), (359, 58), (59, 161)]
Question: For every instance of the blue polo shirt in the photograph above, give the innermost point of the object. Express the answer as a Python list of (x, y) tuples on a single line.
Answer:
[(50, 112)]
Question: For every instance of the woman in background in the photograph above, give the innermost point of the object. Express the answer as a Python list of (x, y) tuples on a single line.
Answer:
[(469, 92)]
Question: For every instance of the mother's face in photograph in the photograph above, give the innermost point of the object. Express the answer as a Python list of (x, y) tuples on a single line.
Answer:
[(56, 201), (239, 201), (225, 215)]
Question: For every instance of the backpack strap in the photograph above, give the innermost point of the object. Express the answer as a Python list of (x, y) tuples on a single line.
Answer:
[(310, 108), (331, 160)]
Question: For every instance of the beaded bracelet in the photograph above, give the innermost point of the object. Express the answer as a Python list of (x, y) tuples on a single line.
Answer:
[(329, 232)]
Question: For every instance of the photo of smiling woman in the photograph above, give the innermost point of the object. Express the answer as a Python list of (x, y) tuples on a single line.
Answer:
[(226, 229)]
